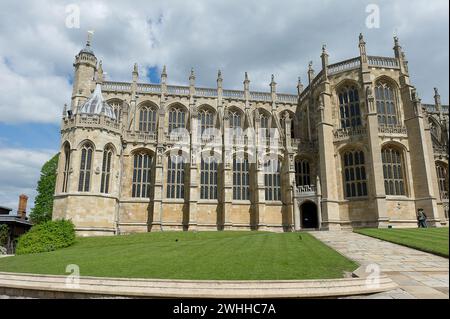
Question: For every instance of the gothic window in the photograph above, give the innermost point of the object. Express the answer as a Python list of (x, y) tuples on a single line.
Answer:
[(175, 177), (302, 173), (355, 179), (265, 126), (177, 118), (205, 122), (66, 171), (442, 175), (208, 178), (106, 170), (394, 183), (349, 107), (147, 119), (272, 180), (84, 183), (235, 119), (386, 106), (116, 105), (241, 178), (142, 175)]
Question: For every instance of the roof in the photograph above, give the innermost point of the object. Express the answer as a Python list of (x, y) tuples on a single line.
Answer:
[(97, 105), (5, 208), (14, 220)]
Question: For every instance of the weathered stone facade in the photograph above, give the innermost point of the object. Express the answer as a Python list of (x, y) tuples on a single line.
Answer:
[(355, 148)]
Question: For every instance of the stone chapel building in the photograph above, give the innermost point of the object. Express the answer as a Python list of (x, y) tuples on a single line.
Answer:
[(354, 148)]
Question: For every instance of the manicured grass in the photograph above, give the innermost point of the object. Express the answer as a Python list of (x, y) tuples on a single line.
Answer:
[(192, 255), (432, 240)]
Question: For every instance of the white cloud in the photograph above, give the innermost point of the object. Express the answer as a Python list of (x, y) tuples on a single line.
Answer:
[(262, 37), (19, 173)]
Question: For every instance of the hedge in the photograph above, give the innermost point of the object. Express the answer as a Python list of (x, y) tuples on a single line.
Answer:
[(46, 237)]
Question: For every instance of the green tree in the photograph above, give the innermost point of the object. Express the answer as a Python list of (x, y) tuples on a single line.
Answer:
[(43, 203)]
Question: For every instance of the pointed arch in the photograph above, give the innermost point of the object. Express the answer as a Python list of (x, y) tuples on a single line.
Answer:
[(87, 154), (66, 169), (148, 117)]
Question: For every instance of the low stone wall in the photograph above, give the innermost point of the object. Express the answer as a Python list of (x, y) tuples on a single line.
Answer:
[(50, 286)]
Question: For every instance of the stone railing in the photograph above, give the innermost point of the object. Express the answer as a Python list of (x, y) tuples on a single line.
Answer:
[(116, 86), (439, 150), (343, 66), (178, 90), (347, 133), (233, 94), (305, 190), (148, 88), (92, 121), (260, 96), (289, 98), (393, 130), (431, 108), (384, 62), (139, 137), (177, 138), (206, 92)]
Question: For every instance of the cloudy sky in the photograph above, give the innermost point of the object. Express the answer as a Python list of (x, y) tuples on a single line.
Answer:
[(39, 39)]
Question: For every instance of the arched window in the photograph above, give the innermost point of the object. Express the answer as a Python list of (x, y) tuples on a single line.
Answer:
[(302, 173), (241, 178), (66, 171), (265, 126), (147, 119), (394, 183), (142, 175), (442, 175), (177, 118), (205, 121), (208, 178), (386, 106), (106, 170), (175, 177), (84, 183), (349, 107), (235, 119), (117, 108), (272, 180), (355, 179)]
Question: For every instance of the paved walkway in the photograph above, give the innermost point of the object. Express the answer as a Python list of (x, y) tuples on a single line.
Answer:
[(418, 274)]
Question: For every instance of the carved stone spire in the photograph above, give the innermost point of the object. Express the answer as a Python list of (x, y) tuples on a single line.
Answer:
[(362, 49), (100, 73), (324, 58), (164, 75), (310, 72), (300, 86)]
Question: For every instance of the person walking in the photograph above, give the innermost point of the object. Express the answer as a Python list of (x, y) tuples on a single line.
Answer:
[(422, 218)]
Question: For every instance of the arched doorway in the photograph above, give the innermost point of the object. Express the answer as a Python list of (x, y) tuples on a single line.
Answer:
[(309, 218)]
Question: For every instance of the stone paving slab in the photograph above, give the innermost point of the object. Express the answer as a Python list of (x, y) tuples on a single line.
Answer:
[(418, 274)]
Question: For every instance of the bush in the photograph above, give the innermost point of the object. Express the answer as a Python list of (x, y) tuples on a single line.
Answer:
[(46, 237)]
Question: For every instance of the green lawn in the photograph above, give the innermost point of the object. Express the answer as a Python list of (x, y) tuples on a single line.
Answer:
[(432, 240), (192, 255)]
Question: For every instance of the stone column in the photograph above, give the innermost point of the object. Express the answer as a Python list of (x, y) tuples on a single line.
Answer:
[(296, 204), (195, 158), (422, 162), (376, 177)]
